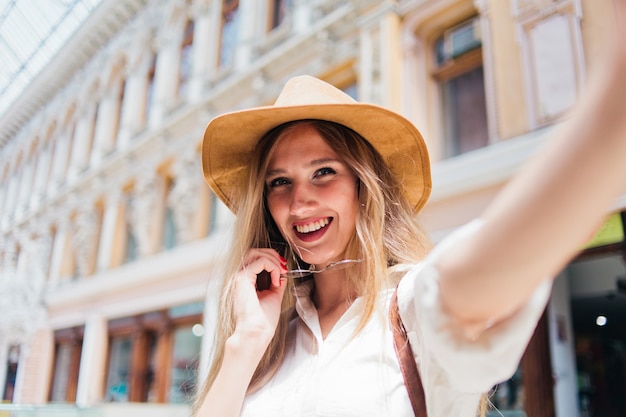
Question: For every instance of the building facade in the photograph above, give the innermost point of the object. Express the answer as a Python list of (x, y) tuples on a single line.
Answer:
[(110, 242)]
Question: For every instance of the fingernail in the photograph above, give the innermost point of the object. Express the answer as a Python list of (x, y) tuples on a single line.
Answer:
[(283, 260)]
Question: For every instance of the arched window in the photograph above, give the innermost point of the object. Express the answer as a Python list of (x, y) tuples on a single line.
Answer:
[(186, 52), (459, 74), (279, 10), (229, 33)]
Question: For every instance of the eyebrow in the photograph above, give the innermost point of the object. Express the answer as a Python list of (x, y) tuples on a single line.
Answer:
[(310, 164)]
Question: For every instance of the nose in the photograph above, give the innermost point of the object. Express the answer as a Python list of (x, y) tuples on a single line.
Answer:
[(302, 198)]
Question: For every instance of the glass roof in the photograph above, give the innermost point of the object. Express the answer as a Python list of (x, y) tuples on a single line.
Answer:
[(31, 32)]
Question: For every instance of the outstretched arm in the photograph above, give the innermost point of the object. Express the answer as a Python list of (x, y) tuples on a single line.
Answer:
[(537, 224)]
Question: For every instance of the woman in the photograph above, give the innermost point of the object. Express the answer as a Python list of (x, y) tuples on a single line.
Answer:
[(321, 182)]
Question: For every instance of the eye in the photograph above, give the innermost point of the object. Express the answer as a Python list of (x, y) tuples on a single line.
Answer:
[(324, 171), (277, 182)]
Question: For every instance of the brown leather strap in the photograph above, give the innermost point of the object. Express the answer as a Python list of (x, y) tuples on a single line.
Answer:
[(410, 373)]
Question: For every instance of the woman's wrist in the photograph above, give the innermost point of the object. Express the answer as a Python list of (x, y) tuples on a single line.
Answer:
[(248, 343)]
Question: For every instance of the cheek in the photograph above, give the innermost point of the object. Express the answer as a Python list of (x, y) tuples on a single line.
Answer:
[(275, 207)]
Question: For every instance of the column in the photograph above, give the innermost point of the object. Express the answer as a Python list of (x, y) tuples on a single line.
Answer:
[(106, 125), (488, 68), (61, 266), (202, 50), (247, 33), (166, 78), (213, 42), (41, 176), (83, 139), (92, 362), (366, 66), (302, 15), (36, 360), (60, 160), (11, 197), (134, 105), (25, 185), (113, 233), (390, 60)]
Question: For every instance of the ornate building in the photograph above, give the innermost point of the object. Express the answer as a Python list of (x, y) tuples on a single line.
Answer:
[(110, 242)]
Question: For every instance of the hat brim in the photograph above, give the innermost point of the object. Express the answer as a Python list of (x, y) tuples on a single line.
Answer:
[(229, 141)]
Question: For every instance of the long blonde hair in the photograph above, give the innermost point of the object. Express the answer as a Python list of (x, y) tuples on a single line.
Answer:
[(387, 234)]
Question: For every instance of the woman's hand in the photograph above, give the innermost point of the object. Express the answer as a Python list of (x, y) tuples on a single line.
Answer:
[(256, 313), (257, 310)]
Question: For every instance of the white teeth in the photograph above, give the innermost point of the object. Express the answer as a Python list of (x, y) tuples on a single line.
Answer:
[(312, 227)]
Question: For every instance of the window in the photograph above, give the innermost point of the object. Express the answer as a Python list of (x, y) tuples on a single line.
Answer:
[(508, 396), (230, 29), (169, 229), (459, 73), (119, 369), (11, 375), (117, 120), (186, 50), (279, 10), (169, 238), (154, 357), (352, 90), (132, 247), (67, 352), (150, 88), (184, 364)]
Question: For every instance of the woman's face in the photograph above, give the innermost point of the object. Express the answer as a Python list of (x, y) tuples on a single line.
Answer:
[(312, 196)]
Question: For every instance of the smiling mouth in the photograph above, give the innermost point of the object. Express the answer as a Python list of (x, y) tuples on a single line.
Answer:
[(312, 227)]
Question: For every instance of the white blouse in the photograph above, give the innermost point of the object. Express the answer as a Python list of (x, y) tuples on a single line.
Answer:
[(344, 375)]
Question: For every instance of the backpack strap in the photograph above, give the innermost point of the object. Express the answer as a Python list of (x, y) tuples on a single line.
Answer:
[(410, 373)]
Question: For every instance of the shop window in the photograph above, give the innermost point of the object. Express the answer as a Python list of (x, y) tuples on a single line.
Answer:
[(186, 52), (279, 10), (67, 352), (11, 373), (117, 385), (230, 29), (184, 365), (459, 74), (154, 357), (507, 398)]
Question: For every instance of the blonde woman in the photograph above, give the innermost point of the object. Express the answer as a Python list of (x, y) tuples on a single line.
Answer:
[(323, 184)]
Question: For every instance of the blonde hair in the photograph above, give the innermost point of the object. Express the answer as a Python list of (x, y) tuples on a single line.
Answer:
[(387, 234)]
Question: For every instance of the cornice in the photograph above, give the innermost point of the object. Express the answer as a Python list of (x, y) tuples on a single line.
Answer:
[(101, 26)]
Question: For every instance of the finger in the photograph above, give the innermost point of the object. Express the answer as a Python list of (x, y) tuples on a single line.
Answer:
[(264, 263), (256, 253)]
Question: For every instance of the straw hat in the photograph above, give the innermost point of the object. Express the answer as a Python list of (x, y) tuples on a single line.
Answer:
[(229, 139)]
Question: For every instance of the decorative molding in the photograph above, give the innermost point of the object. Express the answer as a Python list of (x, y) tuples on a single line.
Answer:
[(84, 240), (183, 197), (142, 204)]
